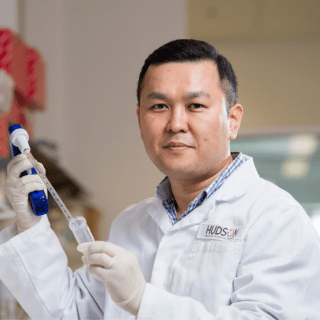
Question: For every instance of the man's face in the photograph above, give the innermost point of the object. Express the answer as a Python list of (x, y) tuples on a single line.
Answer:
[(183, 119)]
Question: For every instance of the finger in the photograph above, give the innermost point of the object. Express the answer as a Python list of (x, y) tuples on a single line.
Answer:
[(36, 182), (98, 247), (30, 178), (43, 170), (97, 271), (83, 247), (85, 261), (99, 259), (15, 160), (30, 187), (17, 168), (41, 167), (106, 247), (28, 183)]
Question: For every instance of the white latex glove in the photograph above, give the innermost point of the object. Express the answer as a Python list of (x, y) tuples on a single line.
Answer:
[(17, 190), (119, 270)]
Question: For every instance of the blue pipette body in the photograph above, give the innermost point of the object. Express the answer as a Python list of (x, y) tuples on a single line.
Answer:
[(37, 199)]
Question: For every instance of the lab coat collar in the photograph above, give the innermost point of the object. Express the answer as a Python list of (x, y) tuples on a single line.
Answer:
[(159, 215), (238, 184), (198, 215)]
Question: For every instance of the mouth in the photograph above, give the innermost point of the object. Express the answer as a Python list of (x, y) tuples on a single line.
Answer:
[(177, 146)]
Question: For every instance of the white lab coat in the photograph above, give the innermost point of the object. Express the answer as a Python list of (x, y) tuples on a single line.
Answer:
[(269, 270)]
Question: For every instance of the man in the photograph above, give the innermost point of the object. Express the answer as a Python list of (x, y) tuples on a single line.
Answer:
[(216, 242)]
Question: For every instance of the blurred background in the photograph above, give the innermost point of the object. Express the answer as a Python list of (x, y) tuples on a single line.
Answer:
[(85, 131)]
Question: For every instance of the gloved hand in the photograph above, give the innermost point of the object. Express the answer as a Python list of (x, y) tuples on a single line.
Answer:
[(17, 190), (119, 271)]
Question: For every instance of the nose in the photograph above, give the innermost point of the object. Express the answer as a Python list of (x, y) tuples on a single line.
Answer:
[(177, 121)]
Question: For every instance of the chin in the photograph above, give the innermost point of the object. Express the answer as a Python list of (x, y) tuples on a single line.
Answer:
[(180, 172)]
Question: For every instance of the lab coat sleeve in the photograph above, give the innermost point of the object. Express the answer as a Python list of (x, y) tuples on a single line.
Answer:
[(34, 268), (278, 276)]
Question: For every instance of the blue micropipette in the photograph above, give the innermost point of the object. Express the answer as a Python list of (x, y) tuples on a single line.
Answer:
[(78, 224)]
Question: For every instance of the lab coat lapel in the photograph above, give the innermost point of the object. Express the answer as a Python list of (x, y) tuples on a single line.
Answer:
[(197, 215), (239, 182), (159, 215)]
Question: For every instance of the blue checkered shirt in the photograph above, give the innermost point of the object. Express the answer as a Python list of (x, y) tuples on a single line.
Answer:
[(164, 193)]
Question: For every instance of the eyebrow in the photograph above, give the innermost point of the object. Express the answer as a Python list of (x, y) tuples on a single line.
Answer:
[(190, 95), (157, 95), (196, 94)]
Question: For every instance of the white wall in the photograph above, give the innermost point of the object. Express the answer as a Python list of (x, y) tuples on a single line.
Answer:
[(94, 51), (44, 29), (9, 15)]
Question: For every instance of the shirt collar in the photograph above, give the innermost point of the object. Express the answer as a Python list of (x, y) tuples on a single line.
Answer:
[(165, 195), (164, 191)]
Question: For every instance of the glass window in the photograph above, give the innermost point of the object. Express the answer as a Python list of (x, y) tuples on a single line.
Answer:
[(291, 161)]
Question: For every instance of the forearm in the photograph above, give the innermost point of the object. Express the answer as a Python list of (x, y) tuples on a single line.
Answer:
[(21, 260), (34, 268)]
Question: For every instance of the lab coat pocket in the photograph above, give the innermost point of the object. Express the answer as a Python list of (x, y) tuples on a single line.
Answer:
[(208, 272)]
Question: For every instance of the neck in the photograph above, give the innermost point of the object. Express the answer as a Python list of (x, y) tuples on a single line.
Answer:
[(185, 191)]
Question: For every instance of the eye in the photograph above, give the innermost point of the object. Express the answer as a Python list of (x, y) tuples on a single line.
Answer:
[(159, 107), (195, 106)]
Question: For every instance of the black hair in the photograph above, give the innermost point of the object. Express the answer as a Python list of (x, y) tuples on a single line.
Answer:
[(193, 50)]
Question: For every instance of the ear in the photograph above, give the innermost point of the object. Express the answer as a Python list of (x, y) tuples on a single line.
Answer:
[(138, 114), (235, 117)]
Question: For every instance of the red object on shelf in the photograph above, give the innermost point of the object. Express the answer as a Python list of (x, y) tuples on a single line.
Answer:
[(36, 83), (27, 69), (13, 59), (4, 146)]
